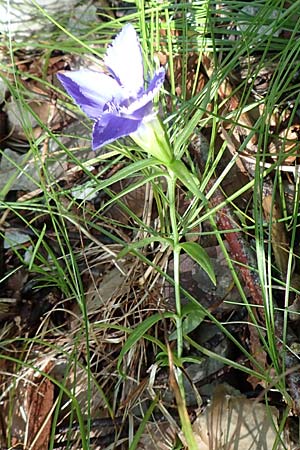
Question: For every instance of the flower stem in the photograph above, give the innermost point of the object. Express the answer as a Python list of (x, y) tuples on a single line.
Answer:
[(180, 396), (176, 255)]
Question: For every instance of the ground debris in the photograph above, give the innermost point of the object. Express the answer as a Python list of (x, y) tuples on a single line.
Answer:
[(232, 421)]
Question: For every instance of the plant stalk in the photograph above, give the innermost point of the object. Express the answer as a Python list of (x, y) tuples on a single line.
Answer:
[(179, 389)]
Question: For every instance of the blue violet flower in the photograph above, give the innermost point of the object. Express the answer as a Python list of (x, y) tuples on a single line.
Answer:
[(117, 100)]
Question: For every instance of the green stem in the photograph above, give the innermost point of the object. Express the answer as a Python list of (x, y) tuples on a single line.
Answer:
[(181, 404), (172, 179)]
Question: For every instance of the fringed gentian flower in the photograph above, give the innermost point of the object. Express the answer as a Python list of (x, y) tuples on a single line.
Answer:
[(117, 101)]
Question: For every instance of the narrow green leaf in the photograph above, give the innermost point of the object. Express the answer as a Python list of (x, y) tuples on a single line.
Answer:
[(140, 331), (37, 246), (138, 434), (129, 170), (142, 243), (199, 255), (189, 323)]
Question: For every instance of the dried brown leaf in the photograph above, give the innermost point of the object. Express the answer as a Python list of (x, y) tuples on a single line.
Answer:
[(134, 200), (234, 422), (40, 402), (34, 398)]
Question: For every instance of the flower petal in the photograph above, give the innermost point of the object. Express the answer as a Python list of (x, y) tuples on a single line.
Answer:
[(144, 102), (157, 81), (110, 127), (124, 60), (91, 90), (144, 112)]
